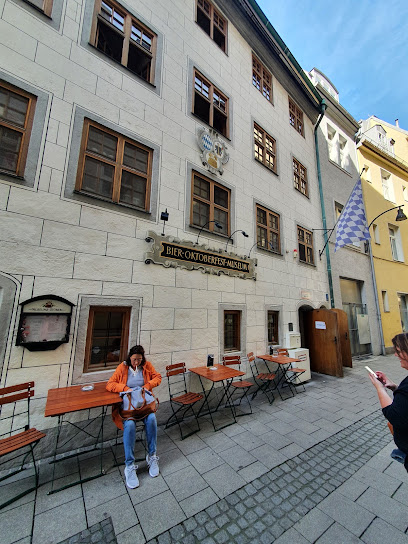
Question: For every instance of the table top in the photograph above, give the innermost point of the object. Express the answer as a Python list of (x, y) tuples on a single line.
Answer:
[(71, 399), (221, 373), (279, 359)]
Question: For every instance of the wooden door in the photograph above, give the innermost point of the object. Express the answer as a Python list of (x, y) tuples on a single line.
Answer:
[(344, 336), (323, 338)]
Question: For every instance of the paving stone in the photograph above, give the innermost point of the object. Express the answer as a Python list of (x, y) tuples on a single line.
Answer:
[(380, 531)]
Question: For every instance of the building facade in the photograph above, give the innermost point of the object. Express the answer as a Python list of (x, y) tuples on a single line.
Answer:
[(158, 184), (349, 267), (382, 152)]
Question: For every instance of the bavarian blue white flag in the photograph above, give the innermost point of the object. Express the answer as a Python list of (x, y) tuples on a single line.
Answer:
[(352, 223)]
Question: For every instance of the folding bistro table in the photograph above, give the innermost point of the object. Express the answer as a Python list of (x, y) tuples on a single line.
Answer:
[(66, 400), (216, 374), (284, 364)]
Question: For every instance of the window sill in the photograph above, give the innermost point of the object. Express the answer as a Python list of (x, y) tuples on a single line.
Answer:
[(209, 126), (267, 167), (300, 192), (116, 63), (109, 201), (269, 251), (212, 233), (337, 165), (306, 264)]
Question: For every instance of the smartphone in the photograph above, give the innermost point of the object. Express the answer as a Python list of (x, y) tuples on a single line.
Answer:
[(371, 371)]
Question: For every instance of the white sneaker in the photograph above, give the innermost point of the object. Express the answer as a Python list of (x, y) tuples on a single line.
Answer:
[(132, 480), (152, 463)]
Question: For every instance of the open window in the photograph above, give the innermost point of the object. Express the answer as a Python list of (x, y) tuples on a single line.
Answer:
[(124, 38), (43, 5), (212, 22), (210, 104), (296, 117), (305, 243), (300, 177)]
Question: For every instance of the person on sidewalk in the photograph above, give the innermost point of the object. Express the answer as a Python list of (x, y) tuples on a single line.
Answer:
[(136, 372), (396, 410)]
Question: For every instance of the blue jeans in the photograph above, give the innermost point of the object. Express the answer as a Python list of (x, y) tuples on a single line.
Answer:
[(398, 455), (129, 437)]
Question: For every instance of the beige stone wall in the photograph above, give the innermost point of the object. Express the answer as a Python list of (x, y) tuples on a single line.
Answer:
[(57, 245)]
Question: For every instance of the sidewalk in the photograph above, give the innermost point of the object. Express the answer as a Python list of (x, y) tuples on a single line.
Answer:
[(314, 468)]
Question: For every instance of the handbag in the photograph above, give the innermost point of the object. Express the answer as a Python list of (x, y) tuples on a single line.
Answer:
[(137, 404)]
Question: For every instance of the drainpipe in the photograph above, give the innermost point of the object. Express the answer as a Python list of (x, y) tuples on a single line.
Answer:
[(323, 107)]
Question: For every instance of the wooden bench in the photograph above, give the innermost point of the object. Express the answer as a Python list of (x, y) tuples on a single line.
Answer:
[(13, 441)]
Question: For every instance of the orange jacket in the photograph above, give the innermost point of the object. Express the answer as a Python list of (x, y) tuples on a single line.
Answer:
[(118, 380)]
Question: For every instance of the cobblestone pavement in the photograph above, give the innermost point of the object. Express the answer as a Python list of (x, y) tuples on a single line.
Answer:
[(264, 509), (99, 533)]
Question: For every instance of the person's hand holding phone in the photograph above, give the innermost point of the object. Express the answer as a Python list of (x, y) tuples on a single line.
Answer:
[(386, 381)]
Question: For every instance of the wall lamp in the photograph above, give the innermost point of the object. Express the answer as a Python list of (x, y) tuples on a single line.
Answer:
[(230, 238), (218, 225), (164, 217), (400, 214)]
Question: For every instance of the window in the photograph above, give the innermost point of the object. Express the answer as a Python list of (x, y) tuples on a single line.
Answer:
[(386, 304), (261, 78), (210, 202), (113, 167), (267, 229), (395, 243), (344, 156), (16, 119), (273, 320), (265, 148), (44, 5), (296, 117), (210, 105), (305, 240), (376, 232), (124, 39), (387, 186), (300, 177), (367, 173), (332, 143), (232, 327), (107, 337), (213, 24)]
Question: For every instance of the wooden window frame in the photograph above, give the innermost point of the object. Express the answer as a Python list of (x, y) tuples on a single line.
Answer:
[(269, 229), (118, 165), (213, 15), (211, 226), (46, 6), (210, 100), (263, 75), (262, 143), (276, 327), (25, 130), (237, 332), (129, 19), (296, 118), (124, 337), (306, 245), (300, 182)]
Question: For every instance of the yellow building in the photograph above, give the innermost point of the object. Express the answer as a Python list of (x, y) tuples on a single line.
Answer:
[(382, 151)]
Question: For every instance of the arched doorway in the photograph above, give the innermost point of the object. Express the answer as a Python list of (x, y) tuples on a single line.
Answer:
[(303, 310)]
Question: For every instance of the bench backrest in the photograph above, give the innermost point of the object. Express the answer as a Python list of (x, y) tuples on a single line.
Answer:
[(16, 394)]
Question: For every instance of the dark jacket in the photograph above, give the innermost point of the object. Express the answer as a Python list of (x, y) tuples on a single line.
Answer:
[(397, 415)]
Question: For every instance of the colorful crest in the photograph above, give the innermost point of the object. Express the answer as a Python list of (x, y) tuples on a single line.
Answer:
[(214, 152)]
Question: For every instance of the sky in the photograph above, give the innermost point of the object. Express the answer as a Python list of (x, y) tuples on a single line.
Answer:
[(360, 45)]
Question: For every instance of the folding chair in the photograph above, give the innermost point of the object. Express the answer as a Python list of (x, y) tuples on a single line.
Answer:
[(265, 381), (26, 438), (180, 397), (292, 379), (243, 386)]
